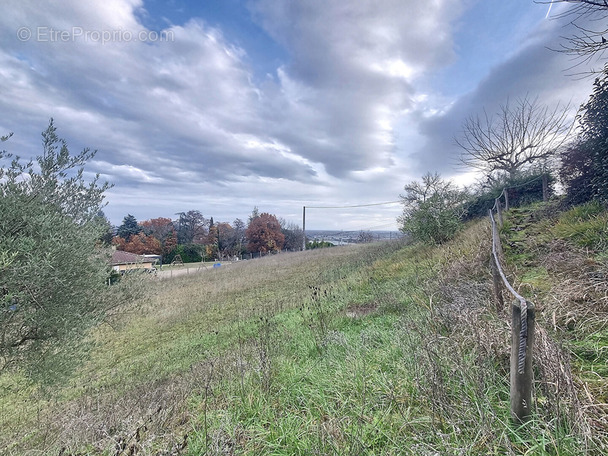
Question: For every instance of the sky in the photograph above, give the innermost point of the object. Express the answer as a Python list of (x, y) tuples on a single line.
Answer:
[(225, 105)]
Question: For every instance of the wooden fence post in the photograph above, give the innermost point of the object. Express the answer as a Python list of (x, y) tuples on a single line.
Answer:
[(506, 192), (499, 211), (498, 299), (496, 279), (497, 244), (521, 380), (545, 187), (522, 339)]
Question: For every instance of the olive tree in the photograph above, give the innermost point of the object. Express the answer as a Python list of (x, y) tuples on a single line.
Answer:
[(52, 265)]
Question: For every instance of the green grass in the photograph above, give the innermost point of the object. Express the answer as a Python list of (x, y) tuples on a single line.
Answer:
[(585, 226), (369, 349)]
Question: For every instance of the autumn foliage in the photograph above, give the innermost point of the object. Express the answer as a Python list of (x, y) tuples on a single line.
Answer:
[(264, 234), (161, 236), (160, 227), (140, 244)]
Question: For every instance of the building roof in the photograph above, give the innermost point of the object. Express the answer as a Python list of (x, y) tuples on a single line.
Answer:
[(122, 257)]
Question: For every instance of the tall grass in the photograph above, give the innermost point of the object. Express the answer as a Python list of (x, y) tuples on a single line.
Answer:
[(585, 225), (371, 349)]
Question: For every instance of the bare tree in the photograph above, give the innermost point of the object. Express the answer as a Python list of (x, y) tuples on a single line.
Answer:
[(294, 236), (516, 137), (589, 17), (365, 237)]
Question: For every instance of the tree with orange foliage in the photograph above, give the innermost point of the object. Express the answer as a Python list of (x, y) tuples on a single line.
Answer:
[(158, 227), (170, 242), (161, 228), (140, 244), (264, 234)]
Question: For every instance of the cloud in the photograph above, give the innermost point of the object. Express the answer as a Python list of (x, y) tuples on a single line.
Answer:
[(351, 74), (532, 70), (187, 101), (182, 120), (184, 114)]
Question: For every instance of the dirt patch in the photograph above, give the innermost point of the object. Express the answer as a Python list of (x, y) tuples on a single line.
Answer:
[(361, 310)]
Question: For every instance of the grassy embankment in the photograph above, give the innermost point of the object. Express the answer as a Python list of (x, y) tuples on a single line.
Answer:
[(375, 349)]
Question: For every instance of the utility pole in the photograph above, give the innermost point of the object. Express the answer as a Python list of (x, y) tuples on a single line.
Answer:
[(304, 228)]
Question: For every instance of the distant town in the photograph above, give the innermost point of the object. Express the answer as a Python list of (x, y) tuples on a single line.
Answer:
[(351, 237)]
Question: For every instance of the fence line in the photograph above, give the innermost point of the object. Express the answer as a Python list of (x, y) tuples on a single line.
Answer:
[(505, 193), (522, 322), (523, 304)]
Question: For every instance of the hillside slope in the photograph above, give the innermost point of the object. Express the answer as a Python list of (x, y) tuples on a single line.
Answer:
[(369, 349)]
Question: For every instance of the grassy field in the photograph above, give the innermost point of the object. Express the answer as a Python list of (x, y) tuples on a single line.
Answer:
[(367, 349)]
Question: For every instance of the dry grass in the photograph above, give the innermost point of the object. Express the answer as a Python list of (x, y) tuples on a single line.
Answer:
[(570, 305), (180, 340)]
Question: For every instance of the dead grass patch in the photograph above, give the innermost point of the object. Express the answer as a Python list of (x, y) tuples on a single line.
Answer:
[(361, 310)]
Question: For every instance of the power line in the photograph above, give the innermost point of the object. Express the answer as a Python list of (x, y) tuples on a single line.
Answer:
[(346, 207)]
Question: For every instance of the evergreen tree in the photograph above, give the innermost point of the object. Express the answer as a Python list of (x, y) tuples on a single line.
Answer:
[(128, 228), (106, 227), (594, 135), (255, 213), (584, 163)]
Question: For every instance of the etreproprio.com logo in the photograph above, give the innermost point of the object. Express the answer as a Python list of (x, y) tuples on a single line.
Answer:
[(53, 35)]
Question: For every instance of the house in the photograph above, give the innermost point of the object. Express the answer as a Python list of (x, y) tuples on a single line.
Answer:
[(124, 261)]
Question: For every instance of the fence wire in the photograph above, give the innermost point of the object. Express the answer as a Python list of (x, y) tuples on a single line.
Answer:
[(523, 304)]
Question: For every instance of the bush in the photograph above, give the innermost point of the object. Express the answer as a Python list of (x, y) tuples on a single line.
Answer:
[(318, 245), (433, 210), (189, 253), (584, 168)]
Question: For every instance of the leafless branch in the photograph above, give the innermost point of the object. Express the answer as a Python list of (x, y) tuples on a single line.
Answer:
[(514, 138), (590, 41)]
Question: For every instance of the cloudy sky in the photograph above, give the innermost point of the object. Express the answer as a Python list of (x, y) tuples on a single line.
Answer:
[(223, 105)]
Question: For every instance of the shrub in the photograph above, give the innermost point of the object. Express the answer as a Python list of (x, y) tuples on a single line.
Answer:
[(433, 210), (584, 168), (318, 244), (189, 253)]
